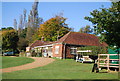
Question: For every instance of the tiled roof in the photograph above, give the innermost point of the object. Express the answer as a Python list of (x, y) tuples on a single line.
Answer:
[(39, 43), (77, 38), (74, 38)]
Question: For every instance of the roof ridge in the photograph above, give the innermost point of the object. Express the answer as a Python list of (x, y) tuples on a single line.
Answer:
[(66, 36), (33, 43)]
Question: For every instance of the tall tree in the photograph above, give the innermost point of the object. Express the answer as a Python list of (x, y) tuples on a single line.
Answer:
[(24, 18), (107, 23), (20, 27), (15, 24), (86, 29), (53, 28), (30, 30), (33, 22)]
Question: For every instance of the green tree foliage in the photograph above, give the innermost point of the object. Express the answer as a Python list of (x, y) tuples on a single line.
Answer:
[(86, 29), (8, 28), (22, 44), (53, 28), (107, 23), (9, 40), (23, 34), (95, 50)]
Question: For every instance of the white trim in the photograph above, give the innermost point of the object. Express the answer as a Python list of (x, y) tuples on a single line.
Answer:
[(73, 48), (84, 51), (56, 43), (43, 46)]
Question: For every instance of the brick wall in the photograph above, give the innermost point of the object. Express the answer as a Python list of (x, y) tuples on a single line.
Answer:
[(59, 52), (68, 55)]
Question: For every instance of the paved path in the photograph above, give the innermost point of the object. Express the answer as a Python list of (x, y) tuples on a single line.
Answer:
[(39, 61)]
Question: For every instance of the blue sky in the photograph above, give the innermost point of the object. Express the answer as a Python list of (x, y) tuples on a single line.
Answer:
[(73, 11)]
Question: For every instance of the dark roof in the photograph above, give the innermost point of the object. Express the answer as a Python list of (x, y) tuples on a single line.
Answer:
[(73, 38), (39, 43), (77, 38)]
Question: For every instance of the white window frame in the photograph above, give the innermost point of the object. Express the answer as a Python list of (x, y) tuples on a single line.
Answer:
[(73, 50), (57, 49)]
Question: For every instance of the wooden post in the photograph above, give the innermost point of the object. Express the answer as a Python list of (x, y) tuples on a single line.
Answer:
[(98, 61), (108, 62), (119, 62)]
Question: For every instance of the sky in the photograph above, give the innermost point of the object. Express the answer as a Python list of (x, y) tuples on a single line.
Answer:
[(73, 11)]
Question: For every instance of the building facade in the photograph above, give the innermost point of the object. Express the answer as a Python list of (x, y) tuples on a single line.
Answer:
[(65, 47)]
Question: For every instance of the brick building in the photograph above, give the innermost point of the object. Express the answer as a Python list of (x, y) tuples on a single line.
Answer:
[(66, 46)]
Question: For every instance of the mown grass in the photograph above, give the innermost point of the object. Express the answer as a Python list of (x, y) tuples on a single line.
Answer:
[(15, 61), (60, 69)]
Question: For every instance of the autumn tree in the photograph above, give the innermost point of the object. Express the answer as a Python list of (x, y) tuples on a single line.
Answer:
[(53, 28), (9, 40), (86, 29), (107, 23)]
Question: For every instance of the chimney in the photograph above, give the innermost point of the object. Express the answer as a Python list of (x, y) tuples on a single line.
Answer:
[(42, 38)]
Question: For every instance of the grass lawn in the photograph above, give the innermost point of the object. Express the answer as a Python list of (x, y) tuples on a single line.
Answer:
[(15, 61), (60, 69)]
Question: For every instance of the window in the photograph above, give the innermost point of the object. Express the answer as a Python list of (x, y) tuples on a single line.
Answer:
[(44, 50), (57, 49), (73, 50)]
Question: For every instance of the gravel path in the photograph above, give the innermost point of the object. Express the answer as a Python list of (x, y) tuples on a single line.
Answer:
[(39, 61)]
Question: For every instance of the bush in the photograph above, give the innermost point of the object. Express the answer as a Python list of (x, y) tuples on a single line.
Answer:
[(33, 54), (95, 50)]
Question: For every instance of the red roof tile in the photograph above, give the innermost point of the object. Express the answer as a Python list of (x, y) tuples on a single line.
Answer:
[(39, 43), (77, 38), (74, 38)]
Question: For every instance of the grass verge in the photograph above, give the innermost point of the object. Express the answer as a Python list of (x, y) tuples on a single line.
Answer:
[(15, 61), (60, 69)]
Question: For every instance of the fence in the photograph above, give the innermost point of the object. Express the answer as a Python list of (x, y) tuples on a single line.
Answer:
[(108, 62)]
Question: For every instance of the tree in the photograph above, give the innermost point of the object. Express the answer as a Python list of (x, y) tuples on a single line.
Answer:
[(9, 40), (30, 30), (107, 23), (53, 28), (24, 19), (22, 44), (86, 29), (8, 28), (20, 27), (15, 24), (33, 22), (95, 50), (23, 34)]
